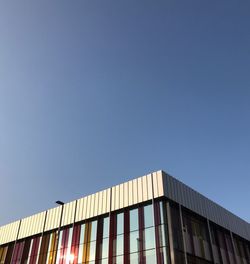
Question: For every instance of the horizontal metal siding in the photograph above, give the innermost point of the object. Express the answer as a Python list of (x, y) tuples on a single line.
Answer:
[(191, 199)]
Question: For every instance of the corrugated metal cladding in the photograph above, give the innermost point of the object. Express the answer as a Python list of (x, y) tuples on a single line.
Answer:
[(9, 232), (126, 194), (184, 195), (53, 218), (32, 225)]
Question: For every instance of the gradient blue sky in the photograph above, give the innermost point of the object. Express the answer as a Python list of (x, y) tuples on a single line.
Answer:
[(94, 93)]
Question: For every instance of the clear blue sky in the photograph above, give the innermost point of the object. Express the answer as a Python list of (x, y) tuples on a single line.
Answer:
[(94, 93)]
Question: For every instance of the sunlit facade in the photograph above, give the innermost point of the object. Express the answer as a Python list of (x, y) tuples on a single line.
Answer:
[(148, 220)]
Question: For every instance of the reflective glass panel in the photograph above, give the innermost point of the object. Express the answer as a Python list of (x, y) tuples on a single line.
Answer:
[(80, 253), (92, 248), (149, 235), (60, 239), (163, 252), (134, 241), (163, 212), (119, 245), (119, 260), (148, 216), (70, 237), (134, 258), (93, 230), (106, 227), (162, 235), (82, 233), (120, 223), (134, 222), (105, 247), (150, 256)]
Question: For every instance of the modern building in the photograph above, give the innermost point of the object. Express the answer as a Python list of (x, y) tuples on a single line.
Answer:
[(151, 219)]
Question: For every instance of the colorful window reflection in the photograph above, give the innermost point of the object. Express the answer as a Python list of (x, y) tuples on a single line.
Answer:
[(137, 235)]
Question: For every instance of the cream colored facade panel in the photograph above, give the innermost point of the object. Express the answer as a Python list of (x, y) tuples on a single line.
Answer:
[(53, 218), (117, 196), (91, 213), (125, 194), (155, 185), (88, 203), (96, 204), (121, 196), (112, 201), (9, 232), (100, 203), (134, 191), (104, 202), (149, 186), (108, 199), (84, 216), (88, 207), (130, 193), (81, 209), (140, 190), (32, 225), (105, 198), (91, 206), (160, 183), (112, 198), (144, 188), (68, 213)]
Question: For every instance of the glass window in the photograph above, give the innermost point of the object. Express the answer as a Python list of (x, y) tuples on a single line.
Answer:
[(70, 238), (119, 260), (60, 239), (92, 247), (106, 227), (161, 229), (105, 248), (163, 212), (134, 241), (149, 235), (93, 230), (119, 245), (134, 258), (150, 256), (120, 223), (163, 253), (148, 215), (80, 253), (104, 261), (82, 232), (134, 223)]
